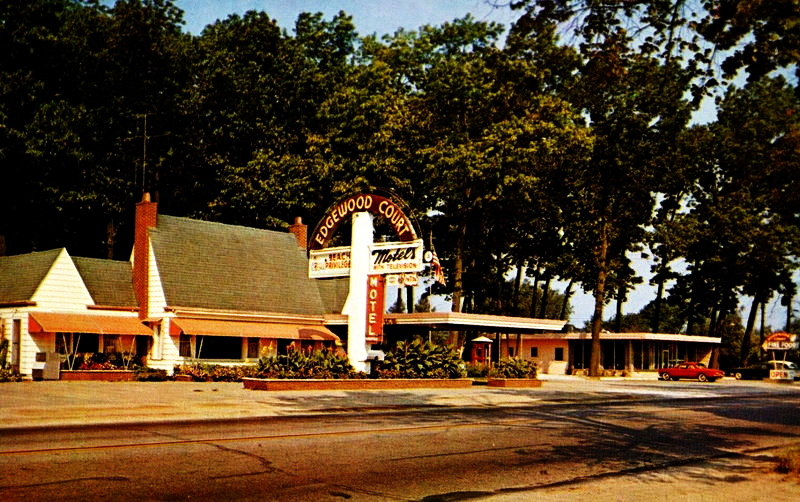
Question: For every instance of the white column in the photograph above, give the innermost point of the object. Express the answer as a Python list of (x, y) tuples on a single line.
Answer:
[(356, 305)]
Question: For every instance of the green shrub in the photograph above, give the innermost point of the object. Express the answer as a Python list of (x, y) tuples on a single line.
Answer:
[(7, 375), (201, 372), (307, 364), (145, 374), (477, 370), (513, 368), (418, 359)]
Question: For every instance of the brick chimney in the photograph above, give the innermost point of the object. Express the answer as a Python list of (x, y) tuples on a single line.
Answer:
[(146, 218), (300, 231)]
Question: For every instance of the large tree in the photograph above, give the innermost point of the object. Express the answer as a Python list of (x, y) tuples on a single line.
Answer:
[(743, 238), (77, 80)]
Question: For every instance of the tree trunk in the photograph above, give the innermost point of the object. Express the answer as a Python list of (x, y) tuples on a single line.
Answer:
[(500, 305), (655, 324), (748, 330), (111, 236), (565, 303), (599, 300), (690, 313), (545, 296), (517, 286), (534, 292), (458, 273), (762, 334), (712, 321), (789, 299), (621, 294)]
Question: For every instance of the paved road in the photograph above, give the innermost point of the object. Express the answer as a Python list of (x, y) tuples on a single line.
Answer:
[(516, 445), (51, 404)]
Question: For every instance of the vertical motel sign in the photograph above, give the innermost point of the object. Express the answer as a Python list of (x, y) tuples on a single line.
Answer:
[(375, 298)]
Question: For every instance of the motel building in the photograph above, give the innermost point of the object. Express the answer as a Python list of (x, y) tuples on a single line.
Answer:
[(198, 291)]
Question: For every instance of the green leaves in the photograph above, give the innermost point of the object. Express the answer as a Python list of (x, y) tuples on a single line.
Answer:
[(419, 359)]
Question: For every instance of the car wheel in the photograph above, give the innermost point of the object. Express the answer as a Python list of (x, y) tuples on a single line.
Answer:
[(702, 378), (665, 376), (737, 376)]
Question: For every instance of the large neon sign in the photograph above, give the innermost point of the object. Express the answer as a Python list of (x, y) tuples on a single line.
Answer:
[(375, 204)]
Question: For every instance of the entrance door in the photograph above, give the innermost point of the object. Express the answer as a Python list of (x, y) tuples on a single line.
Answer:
[(16, 342)]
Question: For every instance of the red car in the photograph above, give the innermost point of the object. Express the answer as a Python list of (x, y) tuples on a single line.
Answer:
[(690, 370)]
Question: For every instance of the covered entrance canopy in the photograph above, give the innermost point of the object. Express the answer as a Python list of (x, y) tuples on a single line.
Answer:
[(56, 322), (458, 321), (250, 329)]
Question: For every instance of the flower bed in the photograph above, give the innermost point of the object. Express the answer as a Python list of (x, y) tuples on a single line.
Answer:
[(355, 383), (98, 375)]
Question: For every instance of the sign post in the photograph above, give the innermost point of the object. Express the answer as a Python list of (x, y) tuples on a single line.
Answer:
[(781, 342), (356, 305)]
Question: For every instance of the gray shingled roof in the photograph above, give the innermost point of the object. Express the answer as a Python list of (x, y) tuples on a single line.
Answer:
[(333, 293), (217, 266), (108, 281), (20, 275)]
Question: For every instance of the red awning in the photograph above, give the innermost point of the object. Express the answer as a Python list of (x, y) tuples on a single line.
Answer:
[(250, 329), (52, 322)]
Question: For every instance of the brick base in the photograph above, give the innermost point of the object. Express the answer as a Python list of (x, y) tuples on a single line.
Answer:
[(97, 375), (514, 382), (356, 384)]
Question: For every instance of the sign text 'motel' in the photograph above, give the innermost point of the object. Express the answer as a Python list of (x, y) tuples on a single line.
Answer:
[(375, 299), (385, 258), (375, 204)]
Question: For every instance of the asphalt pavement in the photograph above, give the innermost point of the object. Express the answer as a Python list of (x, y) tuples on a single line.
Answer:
[(43, 404)]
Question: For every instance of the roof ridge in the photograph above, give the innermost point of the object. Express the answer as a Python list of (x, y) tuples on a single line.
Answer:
[(198, 223)]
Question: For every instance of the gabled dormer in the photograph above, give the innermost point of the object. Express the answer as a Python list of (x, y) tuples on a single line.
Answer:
[(61, 287)]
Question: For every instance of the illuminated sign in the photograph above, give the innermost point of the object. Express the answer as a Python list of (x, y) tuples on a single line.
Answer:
[(331, 262), (385, 258), (396, 257), (780, 341), (375, 204), (781, 375), (375, 301)]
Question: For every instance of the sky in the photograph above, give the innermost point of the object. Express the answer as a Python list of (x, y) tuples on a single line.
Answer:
[(369, 16), (385, 17)]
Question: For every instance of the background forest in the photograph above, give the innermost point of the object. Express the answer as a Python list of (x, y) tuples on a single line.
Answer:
[(559, 150)]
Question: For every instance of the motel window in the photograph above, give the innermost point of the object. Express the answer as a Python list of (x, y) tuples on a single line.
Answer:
[(559, 356), (252, 348), (218, 347), (534, 351), (110, 344), (77, 343), (185, 349), (511, 352)]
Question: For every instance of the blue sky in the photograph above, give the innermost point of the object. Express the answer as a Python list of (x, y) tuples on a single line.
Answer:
[(369, 16)]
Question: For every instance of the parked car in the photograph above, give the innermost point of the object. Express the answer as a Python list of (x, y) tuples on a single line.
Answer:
[(690, 370), (761, 370)]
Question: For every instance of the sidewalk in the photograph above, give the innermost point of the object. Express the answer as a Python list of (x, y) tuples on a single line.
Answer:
[(57, 404)]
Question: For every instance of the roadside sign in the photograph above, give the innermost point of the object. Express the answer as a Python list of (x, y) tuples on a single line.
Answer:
[(385, 258), (396, 257), (329, 262), (782, 374), (780, 341), (375, 300)]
